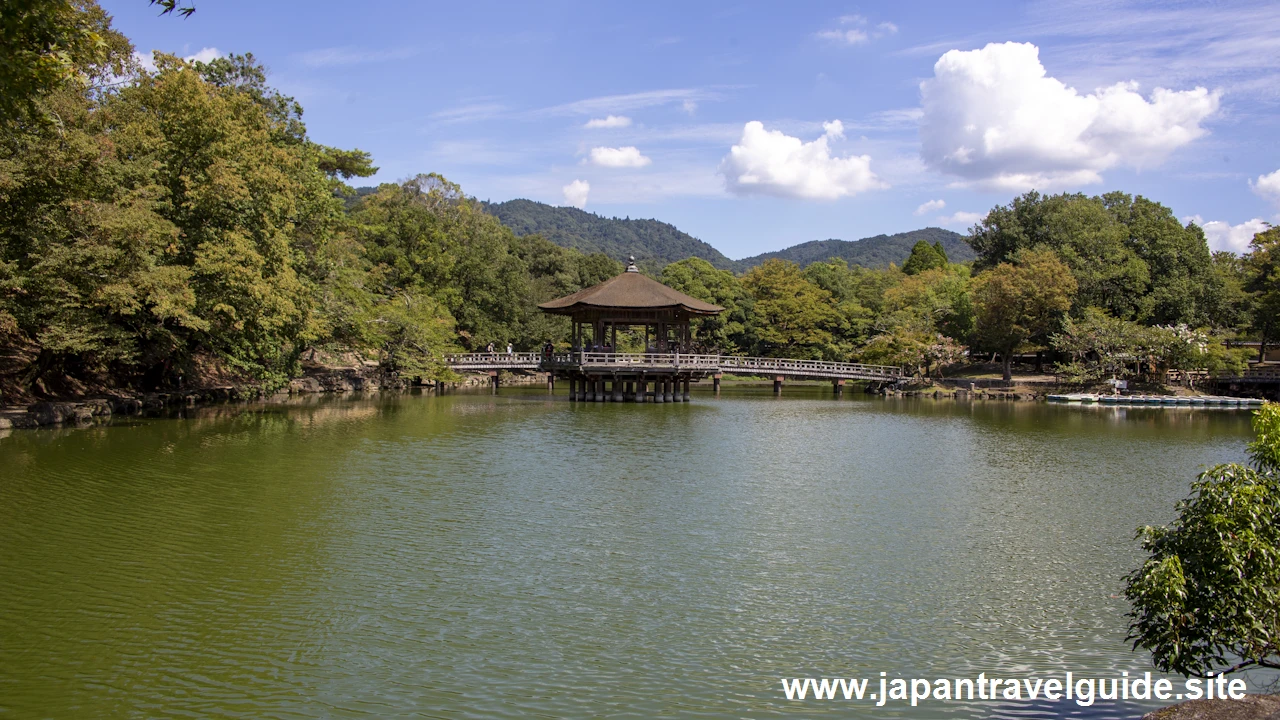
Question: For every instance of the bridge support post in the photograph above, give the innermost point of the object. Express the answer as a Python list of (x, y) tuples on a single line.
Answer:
[(629, 393), (582, 389), (777, 384), (589, 389), (599, 390), (837, 387), (686, 390), (658, 395), (551, 382), (668, 389), (715, 382), (642, 391), (493, 377), (573, 390), (617, 390)]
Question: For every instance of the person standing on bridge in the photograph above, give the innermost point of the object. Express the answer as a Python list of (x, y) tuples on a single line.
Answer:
[(509, 349), (490, 348)]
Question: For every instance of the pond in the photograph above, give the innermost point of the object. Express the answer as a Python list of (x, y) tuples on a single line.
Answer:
[(518, 555)]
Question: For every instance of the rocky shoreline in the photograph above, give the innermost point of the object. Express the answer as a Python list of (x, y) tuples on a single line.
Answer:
[(342, 381)]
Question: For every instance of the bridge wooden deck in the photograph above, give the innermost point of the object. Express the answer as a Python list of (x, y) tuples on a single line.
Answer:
[(669, 363)]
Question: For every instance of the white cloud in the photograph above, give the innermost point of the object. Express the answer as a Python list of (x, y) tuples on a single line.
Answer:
[(995, 119), (204, 55), (930, 206), (622, 103), (855, 36), (1268, 186), (769, 162), (339, 56), (852, 36), (689, 106), (1225, 236), (612, 121), (472, 112), (623, 157), (961, 218), (575, 193)]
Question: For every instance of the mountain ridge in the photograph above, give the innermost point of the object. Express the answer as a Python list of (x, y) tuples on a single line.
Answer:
[(655, 243)]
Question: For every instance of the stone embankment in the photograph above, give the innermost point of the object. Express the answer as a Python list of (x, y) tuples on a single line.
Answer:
[(327, 380), (85, 411)]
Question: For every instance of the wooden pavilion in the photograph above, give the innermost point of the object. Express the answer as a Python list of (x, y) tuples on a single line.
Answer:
[(627, 301)]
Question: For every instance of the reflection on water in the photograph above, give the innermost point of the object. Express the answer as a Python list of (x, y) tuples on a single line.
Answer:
[(517, 555)]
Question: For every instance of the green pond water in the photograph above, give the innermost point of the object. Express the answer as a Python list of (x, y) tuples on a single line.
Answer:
[(480, 556)]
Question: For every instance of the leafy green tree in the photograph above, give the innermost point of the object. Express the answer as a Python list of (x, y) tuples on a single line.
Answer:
[(1099, 346), (727, 332), (924, 257), (792, 316), (426, 236), (1015, 304), (1263, 262), (1182, 282), (1207, 599), (51, 45), (412, 334), (1087, 237)]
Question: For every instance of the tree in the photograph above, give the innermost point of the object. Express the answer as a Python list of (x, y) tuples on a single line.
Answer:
[(792, 316), (695, 277), (1018, 303), (1088, 238), (1207, 599), (50, 44), (924, 257), (1263, 262)]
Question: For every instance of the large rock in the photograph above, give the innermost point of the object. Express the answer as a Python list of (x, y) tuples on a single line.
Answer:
[(305, 385), (51, 413), (1253, 707)]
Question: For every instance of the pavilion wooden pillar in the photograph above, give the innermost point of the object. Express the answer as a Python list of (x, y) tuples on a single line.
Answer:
[(658, 395), (668, 388), (599, 389), (617, 390), (642, 389), (686, 389)]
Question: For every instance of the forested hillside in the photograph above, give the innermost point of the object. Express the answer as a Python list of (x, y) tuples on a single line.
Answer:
[(657, 243), (653, 243), (872, 252)]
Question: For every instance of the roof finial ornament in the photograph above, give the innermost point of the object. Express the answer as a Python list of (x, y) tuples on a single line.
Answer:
[(631, 264)]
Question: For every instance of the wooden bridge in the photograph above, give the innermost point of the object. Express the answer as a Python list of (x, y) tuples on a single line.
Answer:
[(631, 372)]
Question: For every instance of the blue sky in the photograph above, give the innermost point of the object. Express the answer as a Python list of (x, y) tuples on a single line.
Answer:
[(755, 126)]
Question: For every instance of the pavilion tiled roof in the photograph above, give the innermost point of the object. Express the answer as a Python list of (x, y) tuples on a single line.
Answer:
[(630, 290)]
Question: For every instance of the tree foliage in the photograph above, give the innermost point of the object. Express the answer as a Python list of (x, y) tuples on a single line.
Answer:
[(793, 317), (1207, 599), (1018, 303)]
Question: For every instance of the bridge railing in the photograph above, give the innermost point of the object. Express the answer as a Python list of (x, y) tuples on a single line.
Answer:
[(681, 361), (486, 361), (801, 367)]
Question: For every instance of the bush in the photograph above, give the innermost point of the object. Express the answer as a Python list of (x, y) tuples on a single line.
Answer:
[(1208, 597)]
